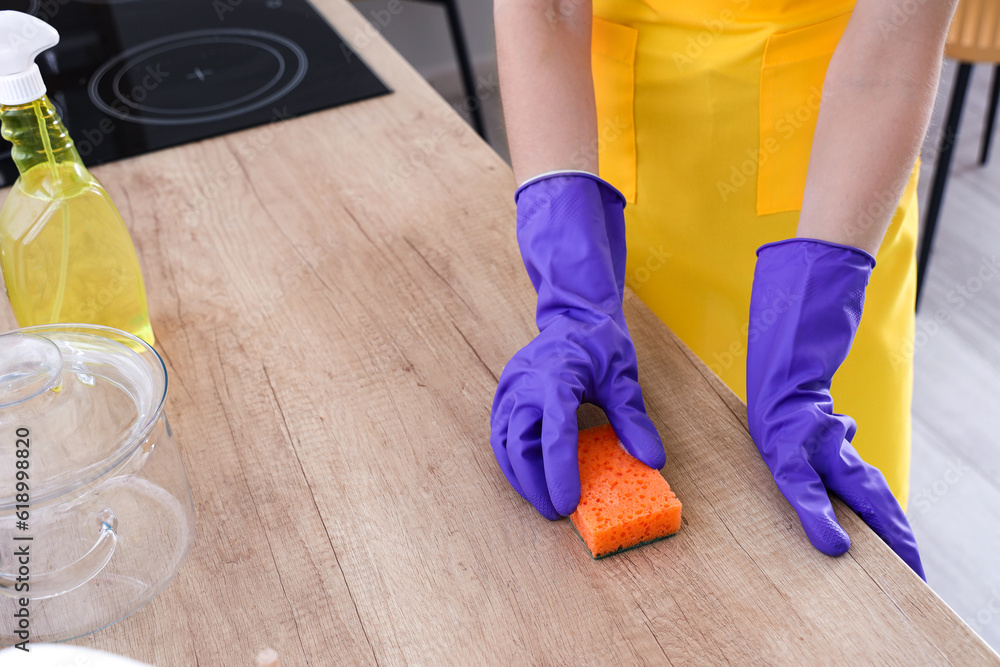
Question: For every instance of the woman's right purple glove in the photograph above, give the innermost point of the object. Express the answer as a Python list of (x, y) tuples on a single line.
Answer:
[(804, 311), (571, 231)]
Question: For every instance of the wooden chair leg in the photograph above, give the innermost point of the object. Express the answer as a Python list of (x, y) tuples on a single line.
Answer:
[(991, 116), (941, 167)]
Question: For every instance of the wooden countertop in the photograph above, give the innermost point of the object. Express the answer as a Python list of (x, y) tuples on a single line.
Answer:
[(334, 298)]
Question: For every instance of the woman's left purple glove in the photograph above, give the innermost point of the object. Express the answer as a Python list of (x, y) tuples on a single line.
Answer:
[(804, 311), (571, 231)]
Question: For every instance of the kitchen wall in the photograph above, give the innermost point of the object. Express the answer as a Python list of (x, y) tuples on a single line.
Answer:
[(419, 30)]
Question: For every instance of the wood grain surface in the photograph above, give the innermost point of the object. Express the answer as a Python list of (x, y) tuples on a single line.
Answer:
[(334, 298)]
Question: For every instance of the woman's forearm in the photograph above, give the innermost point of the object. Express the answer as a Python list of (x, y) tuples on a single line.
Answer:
[(877, 101), (543, 54)]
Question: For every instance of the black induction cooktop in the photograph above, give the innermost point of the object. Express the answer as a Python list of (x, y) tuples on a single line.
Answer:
[(133, 76)]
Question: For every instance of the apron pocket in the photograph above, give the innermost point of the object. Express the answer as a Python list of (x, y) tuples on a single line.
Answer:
[(791, 85), (613, 63)]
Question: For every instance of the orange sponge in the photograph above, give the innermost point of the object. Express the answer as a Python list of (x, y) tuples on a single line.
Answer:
[(623, 503)]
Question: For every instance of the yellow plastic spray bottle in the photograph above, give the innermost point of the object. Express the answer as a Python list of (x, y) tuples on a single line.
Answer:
[(65, 252)]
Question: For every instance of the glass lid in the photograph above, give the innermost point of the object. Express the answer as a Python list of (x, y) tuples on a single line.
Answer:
[(75, 403)]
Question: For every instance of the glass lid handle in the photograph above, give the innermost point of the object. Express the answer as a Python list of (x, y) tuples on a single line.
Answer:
[(29, 365), (50, 584)]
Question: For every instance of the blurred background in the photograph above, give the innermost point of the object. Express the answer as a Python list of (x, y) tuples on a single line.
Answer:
[(955, 493), (421, 31)]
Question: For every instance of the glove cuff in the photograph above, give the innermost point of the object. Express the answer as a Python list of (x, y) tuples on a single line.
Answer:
[(803, 240), (573, 250), (570, 173), (806, 304)]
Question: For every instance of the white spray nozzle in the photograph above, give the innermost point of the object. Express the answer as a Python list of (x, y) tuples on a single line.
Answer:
[(22, 38)]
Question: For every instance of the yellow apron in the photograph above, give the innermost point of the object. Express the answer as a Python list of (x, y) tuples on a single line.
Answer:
[(706, 112)]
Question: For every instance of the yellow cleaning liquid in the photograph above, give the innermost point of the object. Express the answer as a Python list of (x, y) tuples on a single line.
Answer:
[(64, 249)]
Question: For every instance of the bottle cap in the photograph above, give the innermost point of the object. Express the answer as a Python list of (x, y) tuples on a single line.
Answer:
[(22, 37)]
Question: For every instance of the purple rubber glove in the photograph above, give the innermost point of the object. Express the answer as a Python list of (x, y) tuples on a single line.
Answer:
[(804, 311), (571, 230)]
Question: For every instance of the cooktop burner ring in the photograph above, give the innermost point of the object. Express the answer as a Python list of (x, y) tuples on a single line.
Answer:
[(127, 65), (262, 96)]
